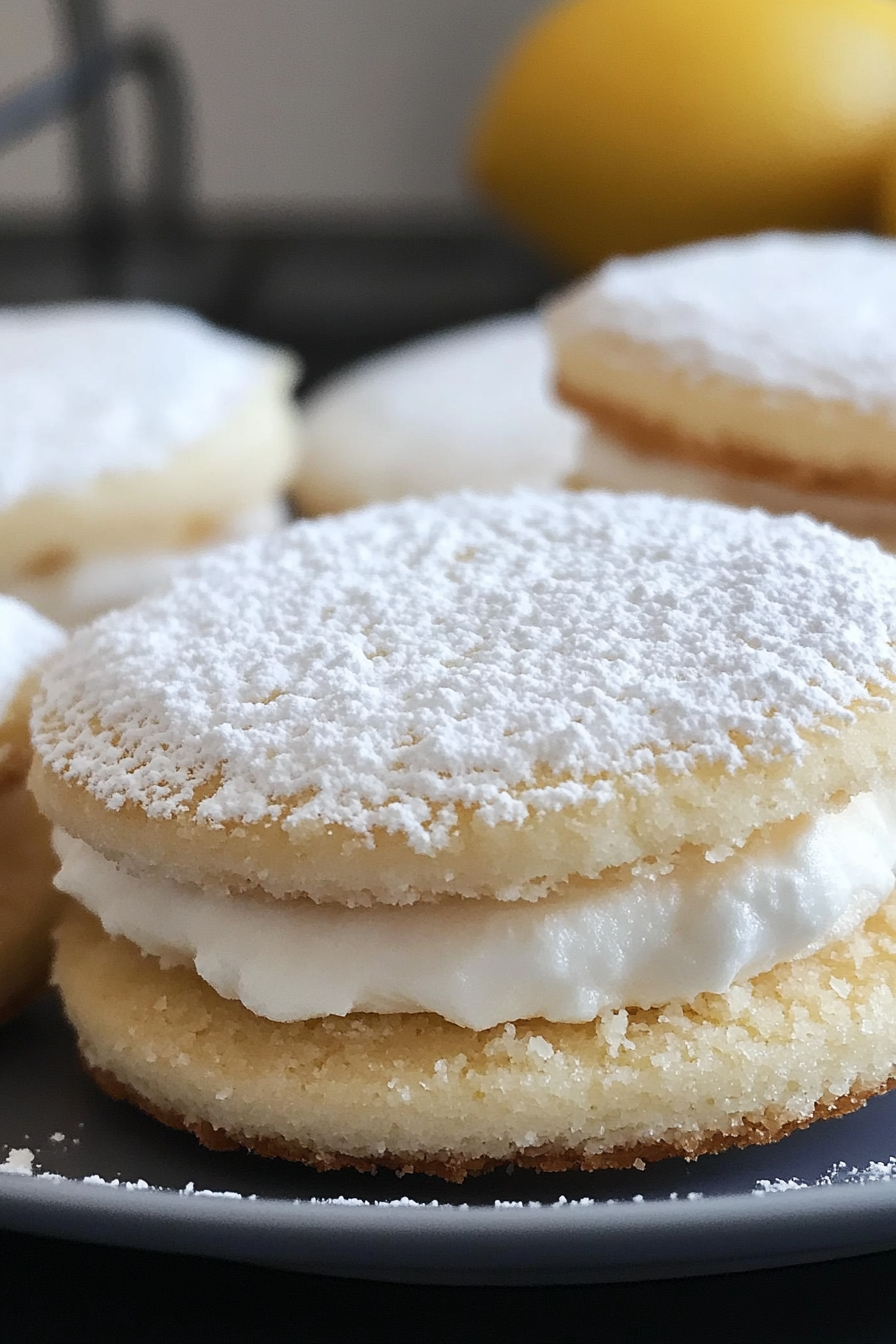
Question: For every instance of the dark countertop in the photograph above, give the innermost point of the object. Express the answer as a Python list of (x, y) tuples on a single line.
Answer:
[(57, 1291)]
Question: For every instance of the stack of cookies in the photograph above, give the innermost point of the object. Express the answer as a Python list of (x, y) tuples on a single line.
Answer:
[(556, 829)]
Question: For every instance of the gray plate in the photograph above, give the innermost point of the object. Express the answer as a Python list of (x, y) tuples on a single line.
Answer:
[(506, 1227)]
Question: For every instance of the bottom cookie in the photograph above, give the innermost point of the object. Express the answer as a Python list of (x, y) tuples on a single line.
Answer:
[(29, 903), (415, 1093)]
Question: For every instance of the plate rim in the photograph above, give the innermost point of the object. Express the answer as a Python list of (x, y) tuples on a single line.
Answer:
[(504, 1243)]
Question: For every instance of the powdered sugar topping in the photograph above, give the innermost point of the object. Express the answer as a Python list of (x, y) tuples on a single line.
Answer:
[(25, 640), (88, 388), (798, 312), (506, 654)]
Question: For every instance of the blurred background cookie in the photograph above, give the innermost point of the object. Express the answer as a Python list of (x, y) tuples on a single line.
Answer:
[(132, 434), (28, 901), (757, 371), (466, 408)]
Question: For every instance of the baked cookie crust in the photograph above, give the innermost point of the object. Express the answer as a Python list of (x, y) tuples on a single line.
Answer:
[(666, 441)]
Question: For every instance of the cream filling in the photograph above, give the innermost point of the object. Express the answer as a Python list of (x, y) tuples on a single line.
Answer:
[(607, 465), (636, 938), (101, 582)]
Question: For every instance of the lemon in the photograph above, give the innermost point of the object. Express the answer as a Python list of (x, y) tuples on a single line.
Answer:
[(625, 125)]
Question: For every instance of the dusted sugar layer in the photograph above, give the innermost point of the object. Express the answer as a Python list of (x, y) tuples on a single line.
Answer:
[(25, 641), (93, 388), (807, 1039), (634, 939), (789, 312), (512, 689), (466, 408)]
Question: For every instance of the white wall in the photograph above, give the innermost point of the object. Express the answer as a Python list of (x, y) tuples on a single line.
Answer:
[(307, 103)]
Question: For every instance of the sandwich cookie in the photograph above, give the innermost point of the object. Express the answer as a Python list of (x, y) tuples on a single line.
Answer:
[(557, 829), (469, 408), (132, 435), (28, 900), (757, 370)]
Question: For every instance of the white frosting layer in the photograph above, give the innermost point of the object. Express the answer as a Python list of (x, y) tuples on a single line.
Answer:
[(103, 582), (788, 311), (88, 388), (635, 938)]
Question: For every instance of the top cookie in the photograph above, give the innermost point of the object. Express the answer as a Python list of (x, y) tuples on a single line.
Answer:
[(796, 312), (478, 694), (92, 388)]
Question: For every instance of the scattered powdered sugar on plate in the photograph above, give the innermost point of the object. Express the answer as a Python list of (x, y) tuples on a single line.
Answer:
[(90, 388), (840, 1174), (25, 640), (23, 1161), (507, 654), (806, 313), (19, 1162), (188, 1189)]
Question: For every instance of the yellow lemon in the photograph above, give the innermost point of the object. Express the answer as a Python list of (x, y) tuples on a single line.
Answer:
[(626, 125)]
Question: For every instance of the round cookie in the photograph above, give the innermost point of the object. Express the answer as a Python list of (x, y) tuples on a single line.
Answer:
[(28, 901), (755, 371), (548, 828), (468, 408), (133, 434)]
